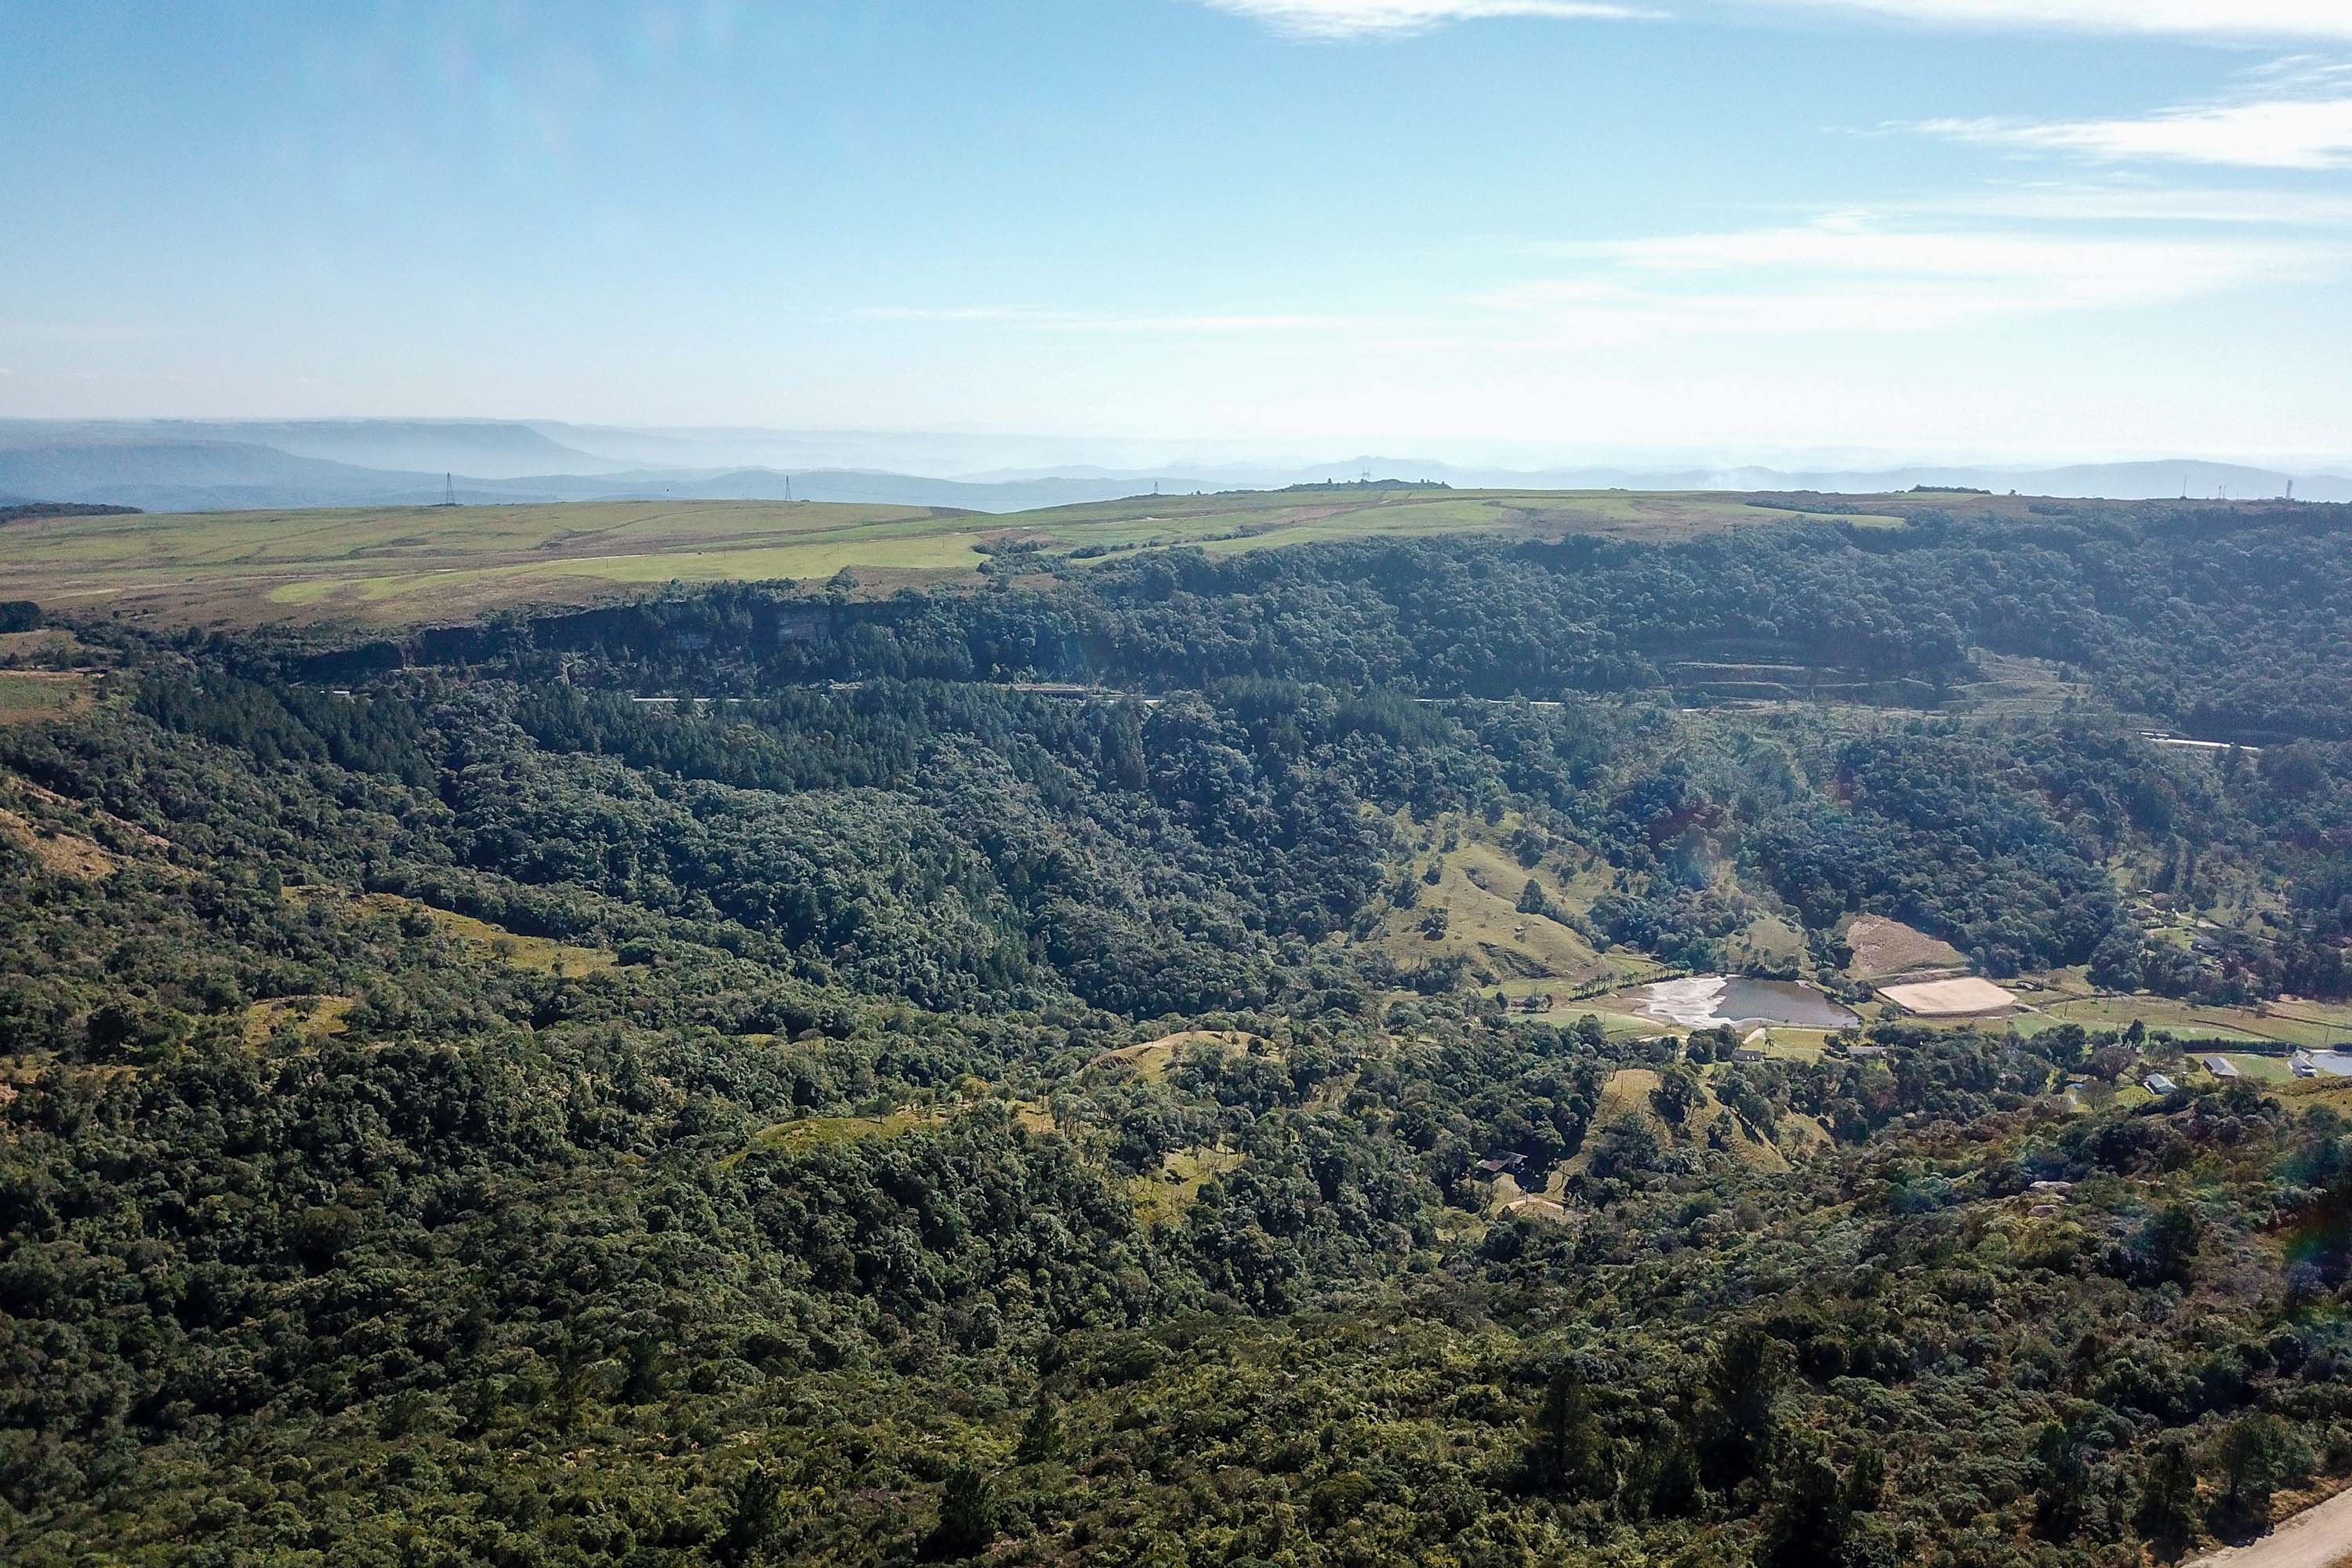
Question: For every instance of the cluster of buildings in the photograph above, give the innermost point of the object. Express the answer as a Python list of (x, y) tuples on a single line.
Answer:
[(2334, 1061)]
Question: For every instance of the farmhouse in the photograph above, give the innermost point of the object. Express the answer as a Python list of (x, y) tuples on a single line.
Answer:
[(2157, 1083), (2334, 1062), (1497, 1164)]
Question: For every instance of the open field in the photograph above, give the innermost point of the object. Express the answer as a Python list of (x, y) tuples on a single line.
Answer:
[(2288, 1022), (1966, 997), (412, 565)]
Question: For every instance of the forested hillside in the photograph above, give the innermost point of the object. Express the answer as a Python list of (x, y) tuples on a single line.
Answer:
[(457, 1111), (2228, 622)]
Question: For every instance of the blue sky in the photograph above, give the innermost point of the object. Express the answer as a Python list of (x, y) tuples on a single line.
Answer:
[(1468, 228)]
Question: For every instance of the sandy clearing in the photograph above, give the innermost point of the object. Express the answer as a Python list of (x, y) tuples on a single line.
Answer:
[(1949, 999)]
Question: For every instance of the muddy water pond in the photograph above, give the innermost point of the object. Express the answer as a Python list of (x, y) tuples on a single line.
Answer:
[(1703, 1001)]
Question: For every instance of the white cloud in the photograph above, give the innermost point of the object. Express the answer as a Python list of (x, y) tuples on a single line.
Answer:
[(1848, 274), (2211, 19), (1362, 19), (2278, 133), (1904, 270), (1044, 318), (2328, 19), (2141, 202)]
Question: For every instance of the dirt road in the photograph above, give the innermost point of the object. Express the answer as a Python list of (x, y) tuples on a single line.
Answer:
[(2318, 1537)]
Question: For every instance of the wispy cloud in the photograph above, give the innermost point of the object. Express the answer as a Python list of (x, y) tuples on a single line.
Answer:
[(2321, 19), (1364, 18), (2136, 202), (1853, 273), (2209, 19), (86, 332), (1047, 319), (2275, 133), (1920, 267)]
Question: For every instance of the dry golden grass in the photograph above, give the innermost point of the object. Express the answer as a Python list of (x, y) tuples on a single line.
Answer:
[(315, 1018), (1885, 948), (1151, 1059), (59, 853), (1627, 1095), (1478, 887), (539, 953)]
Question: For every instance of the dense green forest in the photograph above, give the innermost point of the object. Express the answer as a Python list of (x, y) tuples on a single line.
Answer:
[(863, 1112)]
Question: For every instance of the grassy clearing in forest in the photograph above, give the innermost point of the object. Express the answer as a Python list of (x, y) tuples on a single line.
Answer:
[(1478, 890), (315, 1018), (58, 852), (541, 953), (1164, 1199), (1628, 1096), (31, 696), (1151, 1059)]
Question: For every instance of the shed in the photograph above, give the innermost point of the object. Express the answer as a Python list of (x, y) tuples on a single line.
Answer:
[(2157, 1083), (2221, 1066), (1495, 1165)]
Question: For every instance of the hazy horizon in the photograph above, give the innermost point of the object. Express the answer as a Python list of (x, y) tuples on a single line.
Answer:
[(978, 451)]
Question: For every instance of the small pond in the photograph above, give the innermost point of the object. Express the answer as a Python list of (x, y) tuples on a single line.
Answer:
[(1703, 1001)]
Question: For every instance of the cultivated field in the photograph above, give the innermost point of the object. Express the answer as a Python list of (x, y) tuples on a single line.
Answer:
[(413, 565)]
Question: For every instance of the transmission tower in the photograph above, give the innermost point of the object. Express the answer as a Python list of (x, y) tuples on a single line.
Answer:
[(449, 490)]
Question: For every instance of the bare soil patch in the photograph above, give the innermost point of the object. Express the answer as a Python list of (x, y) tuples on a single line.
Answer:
[(1949, 999), (1884, 949)]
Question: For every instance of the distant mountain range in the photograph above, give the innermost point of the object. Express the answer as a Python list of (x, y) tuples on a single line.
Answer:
[(192, 465)]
